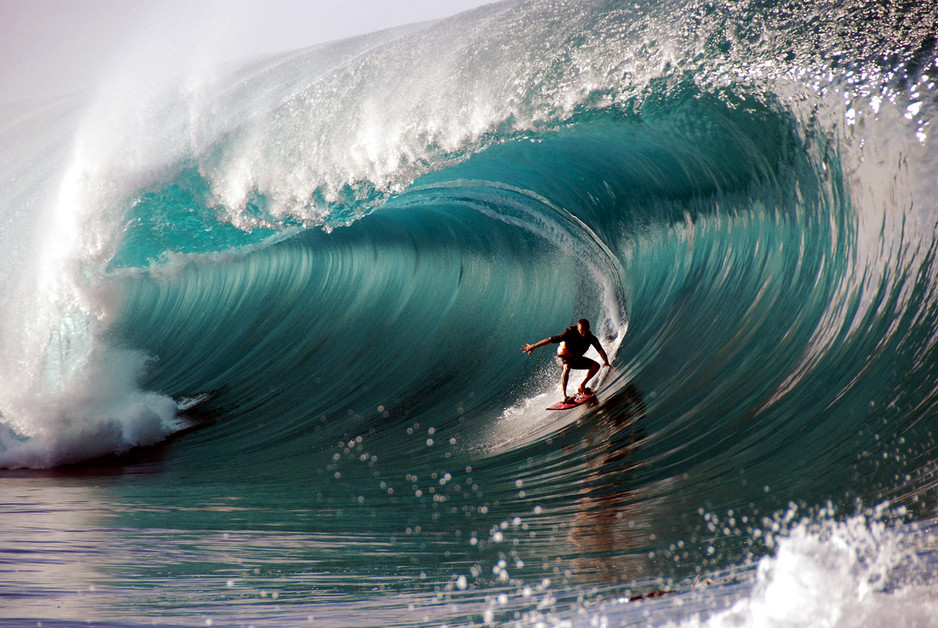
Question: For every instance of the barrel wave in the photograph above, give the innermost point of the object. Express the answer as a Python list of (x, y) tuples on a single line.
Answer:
[(277, 344)]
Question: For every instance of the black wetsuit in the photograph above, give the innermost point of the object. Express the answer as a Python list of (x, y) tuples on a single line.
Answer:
[(575, 346)]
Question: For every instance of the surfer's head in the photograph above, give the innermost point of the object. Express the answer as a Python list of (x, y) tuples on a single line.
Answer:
[(583, 326)]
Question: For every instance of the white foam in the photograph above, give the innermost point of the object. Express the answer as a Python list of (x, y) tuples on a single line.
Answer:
[(98, 411), (66, 393), (859, 572)]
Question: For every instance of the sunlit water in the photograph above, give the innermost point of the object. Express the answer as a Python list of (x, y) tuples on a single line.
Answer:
[(260, 330)]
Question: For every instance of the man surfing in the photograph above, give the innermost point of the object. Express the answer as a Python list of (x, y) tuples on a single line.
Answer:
[(574, 342)]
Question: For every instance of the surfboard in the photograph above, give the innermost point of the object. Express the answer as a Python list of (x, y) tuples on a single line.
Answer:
[(577, 400)]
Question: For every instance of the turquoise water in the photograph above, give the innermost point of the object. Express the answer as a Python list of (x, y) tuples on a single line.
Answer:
[(263, 367)]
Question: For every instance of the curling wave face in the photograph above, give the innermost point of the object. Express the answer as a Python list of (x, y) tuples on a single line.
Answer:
[(332, 278)]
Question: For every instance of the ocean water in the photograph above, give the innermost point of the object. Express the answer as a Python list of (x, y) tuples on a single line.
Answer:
[(260, 327)]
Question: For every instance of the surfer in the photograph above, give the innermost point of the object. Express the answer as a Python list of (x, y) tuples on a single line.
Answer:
[(574, 342)]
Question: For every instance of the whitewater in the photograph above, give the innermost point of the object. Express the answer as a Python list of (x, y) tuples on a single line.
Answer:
[(260, 327)]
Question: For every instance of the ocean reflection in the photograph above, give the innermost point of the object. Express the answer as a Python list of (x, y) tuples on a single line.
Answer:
[(612, 524), (53, 549)]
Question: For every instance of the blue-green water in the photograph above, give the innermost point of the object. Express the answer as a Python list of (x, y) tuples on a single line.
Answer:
[(263, 367)]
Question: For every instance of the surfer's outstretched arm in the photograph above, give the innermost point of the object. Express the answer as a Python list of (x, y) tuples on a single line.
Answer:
[(529, 348)]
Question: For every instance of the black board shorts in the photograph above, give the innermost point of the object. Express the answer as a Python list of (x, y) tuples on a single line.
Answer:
[(578, 362)]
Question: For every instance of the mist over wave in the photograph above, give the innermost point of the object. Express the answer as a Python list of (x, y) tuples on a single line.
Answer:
[(327, 261)]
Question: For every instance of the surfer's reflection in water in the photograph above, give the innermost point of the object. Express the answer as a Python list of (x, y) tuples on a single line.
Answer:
[(611, 525)]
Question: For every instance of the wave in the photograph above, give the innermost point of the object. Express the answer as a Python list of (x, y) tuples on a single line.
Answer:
[(351, 242)]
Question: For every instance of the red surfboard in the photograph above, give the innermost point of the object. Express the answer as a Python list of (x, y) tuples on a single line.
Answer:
[(577, 400)]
